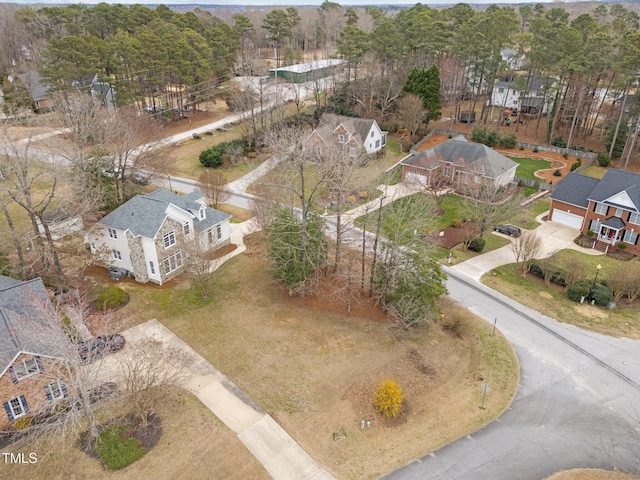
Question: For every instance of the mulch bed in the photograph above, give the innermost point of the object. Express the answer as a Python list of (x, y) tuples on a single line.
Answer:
[(148, 435), (452, 235)]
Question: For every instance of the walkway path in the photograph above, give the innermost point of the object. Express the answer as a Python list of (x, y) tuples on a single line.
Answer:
[(274, 448)]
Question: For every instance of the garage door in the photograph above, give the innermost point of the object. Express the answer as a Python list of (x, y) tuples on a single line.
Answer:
[(413, 177), (566, 218)]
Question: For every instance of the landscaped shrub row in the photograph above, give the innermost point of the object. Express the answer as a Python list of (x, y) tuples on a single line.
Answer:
[(557, 277), (214, 157), (580, 290)]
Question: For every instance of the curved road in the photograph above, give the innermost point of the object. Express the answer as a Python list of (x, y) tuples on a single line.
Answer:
[(578, 397)]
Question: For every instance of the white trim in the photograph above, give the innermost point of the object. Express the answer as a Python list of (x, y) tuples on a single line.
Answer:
[(172, 263), (169, 239), (20, 406), (60, 388), (27, 369)]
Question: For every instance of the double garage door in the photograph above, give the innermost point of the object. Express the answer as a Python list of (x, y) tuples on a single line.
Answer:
[(566, 218)]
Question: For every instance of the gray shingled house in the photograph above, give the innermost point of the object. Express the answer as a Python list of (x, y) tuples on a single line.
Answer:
[(608, 207), (32, 348), (149, 234), (463, 163), (356, 135)]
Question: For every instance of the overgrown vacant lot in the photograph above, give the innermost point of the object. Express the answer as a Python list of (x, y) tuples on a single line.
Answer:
[(315, 369), (194, 444), (551, 300)]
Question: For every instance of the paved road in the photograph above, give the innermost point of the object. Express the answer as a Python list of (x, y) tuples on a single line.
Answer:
[(578, 393)]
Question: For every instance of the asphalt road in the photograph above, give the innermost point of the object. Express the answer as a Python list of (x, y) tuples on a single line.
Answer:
[(579, 395)]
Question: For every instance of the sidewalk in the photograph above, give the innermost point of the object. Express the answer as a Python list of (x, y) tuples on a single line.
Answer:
[(272, 446)]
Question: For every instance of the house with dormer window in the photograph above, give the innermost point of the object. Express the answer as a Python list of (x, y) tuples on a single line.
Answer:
[(609, 207), (146, 235), (356, 135), (32, 351)]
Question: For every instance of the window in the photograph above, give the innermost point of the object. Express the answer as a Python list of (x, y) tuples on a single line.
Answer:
[(219, 231), (352, 151), (186, 229), (113, 233), (500, 90), (55, 390), (630, 237), (601, 208), (371, 133), (26, 369), (476, 178), (172, 262), (384, 139), (117, 255), (342, 138), (619, 212), (594, 226), (152, 268), (634, 218), (447, 171), (202, 213), (210, 236), (377, 143), (16, 407), (169, 239)]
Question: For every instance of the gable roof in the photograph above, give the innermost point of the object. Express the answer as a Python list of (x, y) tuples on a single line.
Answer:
[(476, 157), (143, 215), (615, 182), (33, 82), (533, 82), (25, 321), (357, 128), (575, 189)]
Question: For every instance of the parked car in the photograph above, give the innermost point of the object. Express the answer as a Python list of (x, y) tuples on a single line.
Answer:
[(98, 347), (510, 230)]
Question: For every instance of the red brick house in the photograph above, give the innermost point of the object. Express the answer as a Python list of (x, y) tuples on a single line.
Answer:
[(32, 348), (609, 207)]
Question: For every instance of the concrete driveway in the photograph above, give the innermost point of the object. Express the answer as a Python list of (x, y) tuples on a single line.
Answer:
[(555, 237)]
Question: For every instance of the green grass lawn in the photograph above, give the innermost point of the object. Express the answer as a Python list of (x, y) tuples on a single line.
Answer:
[(551, 300), (460, 255), (526, 167), (526, 218)]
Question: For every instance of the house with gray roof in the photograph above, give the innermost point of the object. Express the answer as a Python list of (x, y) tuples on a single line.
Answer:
[(462, 163), (151, 235), (33, 346), (608, 207), (38, 90), (528, 94), (356, 135)]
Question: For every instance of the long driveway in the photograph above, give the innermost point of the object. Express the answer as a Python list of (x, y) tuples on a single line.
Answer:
[(579, 394)]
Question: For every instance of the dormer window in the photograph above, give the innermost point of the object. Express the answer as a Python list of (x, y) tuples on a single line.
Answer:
[(202, 213), (342, 138)]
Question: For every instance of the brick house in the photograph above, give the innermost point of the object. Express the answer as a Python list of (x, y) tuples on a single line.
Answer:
[(356, 135), (32, 348), (147, 234), (609, 207), (462, 162)]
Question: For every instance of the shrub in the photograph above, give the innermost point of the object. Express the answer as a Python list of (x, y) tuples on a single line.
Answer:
[(557, 173), (492, 138), (558, 142), (22, 423), (521, 147), (536, 270), (601, 293), (479, 134), (116, 447), (576, 164), (578, 290), (477, 244), (535, 149), (590, 233), (388, 399), (508, 141), (212, 157), (565, 155), (603, 159), (111, 297), (622, 246)]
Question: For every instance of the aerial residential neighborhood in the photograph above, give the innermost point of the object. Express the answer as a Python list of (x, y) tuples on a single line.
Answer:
[(320, 241)]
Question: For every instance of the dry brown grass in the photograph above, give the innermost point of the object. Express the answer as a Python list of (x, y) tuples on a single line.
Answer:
[(315, 370), (590, 474), (194, 444)]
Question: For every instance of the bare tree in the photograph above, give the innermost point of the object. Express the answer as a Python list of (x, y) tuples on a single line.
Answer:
[(626, 281), (197, 252), (526, 248), (213, 185), (488, 203), (151, 363), (411, 113), (573, 272)]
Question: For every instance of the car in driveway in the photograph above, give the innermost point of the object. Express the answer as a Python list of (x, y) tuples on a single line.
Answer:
[(91, 350), (510, 230)]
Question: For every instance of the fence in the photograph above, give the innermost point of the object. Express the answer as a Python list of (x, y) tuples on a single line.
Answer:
[(540, 185)]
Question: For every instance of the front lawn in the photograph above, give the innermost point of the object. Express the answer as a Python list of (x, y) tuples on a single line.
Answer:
[(314, 367), (551, 300), (526, 167)]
